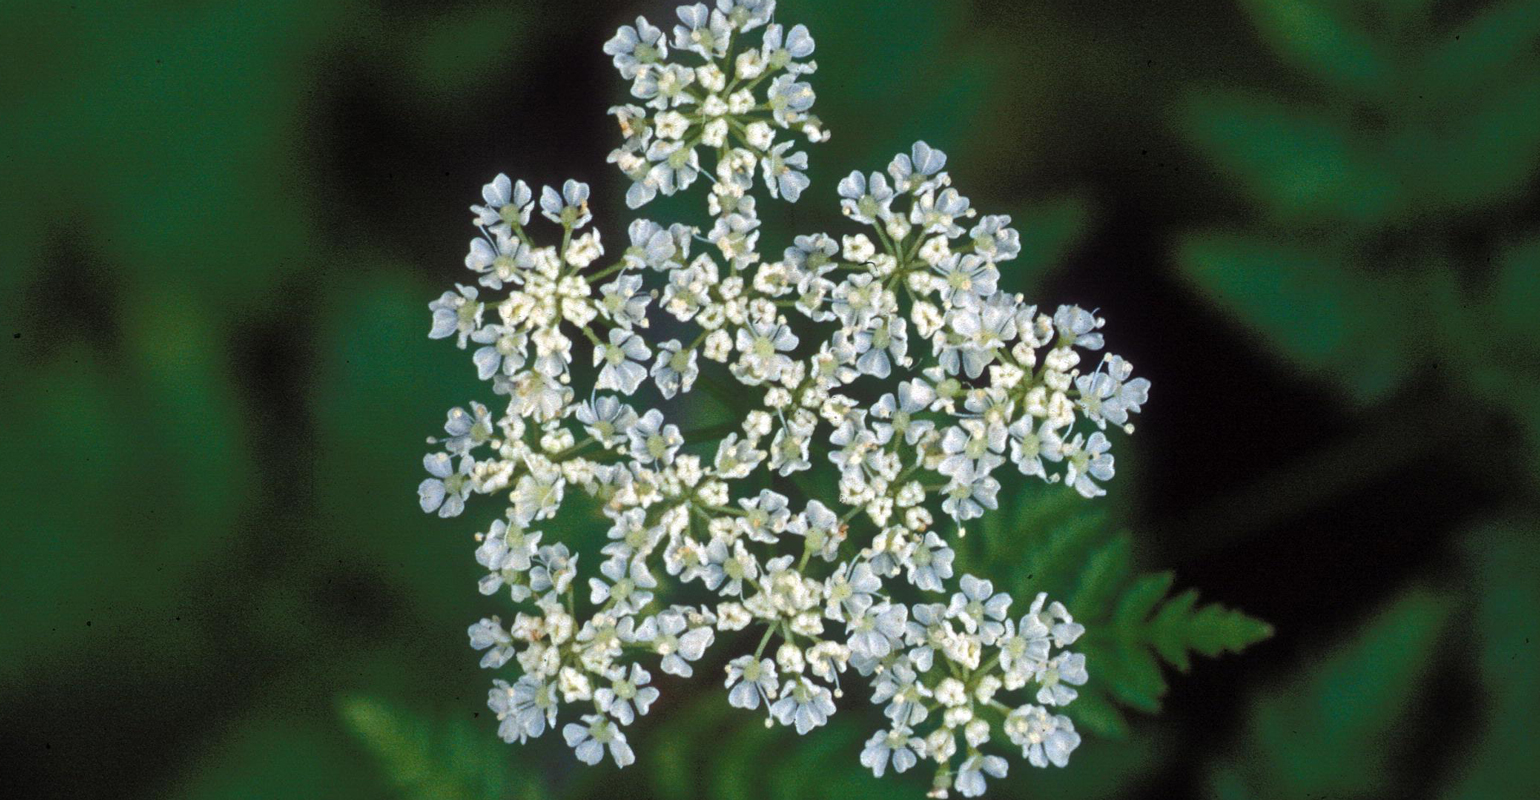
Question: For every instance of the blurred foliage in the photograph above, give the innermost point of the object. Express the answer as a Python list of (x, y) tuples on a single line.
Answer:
[(1324, 733), (1367, 265), (1502, 556), (449, 762), (1337, 729)]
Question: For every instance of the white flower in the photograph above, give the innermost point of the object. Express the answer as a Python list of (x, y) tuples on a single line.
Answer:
[(764, 345), (1067, 668), (905, 695), (1087, 461), (930, 563), (750, 680), (994, 239), (590, 738), (910, 171), (979, 608), (467, 430), (628, 695), (523, 709), (820, 527), (849, 590), (1024, 649), (675, 370), (508, 204), (746, 15), (969, 493), (789, 99), (607, 419), (789, 449), (703, 32), (972, 446), (568, 209), (505, 350), (538, 494), (876, 630), (635, 48), (675, 641), (727, 567), (970, 777), (456, 314), (488, 634), (1078, 326), (804, 704), (498, 260), (554, 569), (966, 274), (506, 552), (627, 589), (1044, 739), (652, 441), (446, 491), (1057, 620), (622, 359), (1029, 447), (898, 745), (784, 174)]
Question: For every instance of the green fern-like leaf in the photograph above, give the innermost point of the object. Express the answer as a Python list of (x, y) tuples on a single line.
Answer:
[(1052, 541), (433, 761), (1145, 626)]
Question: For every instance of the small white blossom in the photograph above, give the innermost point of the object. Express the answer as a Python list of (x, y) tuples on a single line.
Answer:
[(899, 746), (803, 704), (1043, 738), (751, 680), (628, 695), (590, 739), (621, 359)]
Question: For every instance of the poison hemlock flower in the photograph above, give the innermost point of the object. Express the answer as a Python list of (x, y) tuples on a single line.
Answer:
[(969, 381), (593, 735)]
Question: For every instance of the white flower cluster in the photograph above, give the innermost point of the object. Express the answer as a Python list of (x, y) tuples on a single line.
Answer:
[(858, 577), (716, 103)]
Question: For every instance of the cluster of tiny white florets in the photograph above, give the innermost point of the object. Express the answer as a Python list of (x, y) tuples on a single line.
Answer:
[(852, 578), (714, 104)]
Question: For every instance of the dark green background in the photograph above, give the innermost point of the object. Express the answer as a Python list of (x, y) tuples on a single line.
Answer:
[(1314, 224)]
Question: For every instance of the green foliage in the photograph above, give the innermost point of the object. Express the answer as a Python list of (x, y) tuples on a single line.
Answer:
[(160, 406), (1324, 731), (1334, 323), (1321, 38), (429, 760), (274, 755), (1065, 548), (1500, 764), (160, 189), (1050, 230), (1352, 722), (1363, 183), (459, 51), (894, 107)]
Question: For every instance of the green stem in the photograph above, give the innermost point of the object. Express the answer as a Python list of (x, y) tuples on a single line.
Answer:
[(764, 640)]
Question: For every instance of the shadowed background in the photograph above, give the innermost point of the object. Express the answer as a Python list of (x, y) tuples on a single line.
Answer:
[(1314, 225)]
